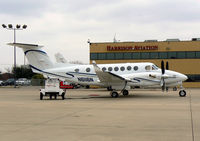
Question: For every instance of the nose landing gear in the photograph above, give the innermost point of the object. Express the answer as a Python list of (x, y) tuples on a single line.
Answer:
[(182, 92)]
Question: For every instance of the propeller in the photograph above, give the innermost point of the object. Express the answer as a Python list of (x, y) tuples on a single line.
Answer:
[(162, 67), (167, 66), (162, 82)]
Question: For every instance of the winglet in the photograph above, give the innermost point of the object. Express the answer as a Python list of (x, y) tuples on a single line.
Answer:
[(96, 68)]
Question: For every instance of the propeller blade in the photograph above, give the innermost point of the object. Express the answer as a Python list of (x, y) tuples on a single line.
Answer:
[(163, 84), (163, 88), (162, 67), (167, 66)]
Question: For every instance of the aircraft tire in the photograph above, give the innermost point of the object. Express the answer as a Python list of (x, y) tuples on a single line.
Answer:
[(109, 88), (125, 92), (114, 94), (175, 89), (41, 96), (63, 96), (182, 93)]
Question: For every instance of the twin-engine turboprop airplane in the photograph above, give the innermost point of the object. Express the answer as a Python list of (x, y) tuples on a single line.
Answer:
[(117, 77)]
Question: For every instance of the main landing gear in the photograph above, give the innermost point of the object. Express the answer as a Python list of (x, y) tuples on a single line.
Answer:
[(115, 94)]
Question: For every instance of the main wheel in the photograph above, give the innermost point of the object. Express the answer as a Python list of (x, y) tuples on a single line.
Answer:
[(182, 93), (109, 88), (63, 96), (114, 94), (125, 92), (41, 96), (175, 89)]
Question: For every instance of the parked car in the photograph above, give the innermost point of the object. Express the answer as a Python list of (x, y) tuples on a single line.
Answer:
[(23, 81), (1, 83), (10, 81)]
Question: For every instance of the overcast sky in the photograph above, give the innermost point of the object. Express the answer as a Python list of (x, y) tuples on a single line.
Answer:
[(64, 26)]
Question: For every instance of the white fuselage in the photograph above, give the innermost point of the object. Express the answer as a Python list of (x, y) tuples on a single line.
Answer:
[(139, 74)]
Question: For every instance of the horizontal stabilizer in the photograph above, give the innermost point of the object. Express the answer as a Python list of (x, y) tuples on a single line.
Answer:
[(26, 46)]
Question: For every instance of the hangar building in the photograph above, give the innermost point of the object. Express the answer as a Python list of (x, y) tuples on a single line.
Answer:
[(183, 56)]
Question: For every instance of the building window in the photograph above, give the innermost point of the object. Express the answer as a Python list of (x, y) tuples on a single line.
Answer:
[(116, 68), (197, 54), (190, 54), (101, 56), (193, 78), (145, 55), (135, 68), (129, 68), (93, 56), (163, 55), (110, 56), (180, 55), (171, 55), (154, 55), (128, 55), (136, 55), (119, 56), (110, 68)]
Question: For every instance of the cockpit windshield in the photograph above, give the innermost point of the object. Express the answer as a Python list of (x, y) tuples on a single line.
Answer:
[(154, 67)]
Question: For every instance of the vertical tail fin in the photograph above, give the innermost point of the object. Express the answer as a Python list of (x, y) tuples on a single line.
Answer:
[(38, 59)]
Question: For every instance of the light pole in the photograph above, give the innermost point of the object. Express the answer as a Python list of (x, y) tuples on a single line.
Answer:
[(14, 28)]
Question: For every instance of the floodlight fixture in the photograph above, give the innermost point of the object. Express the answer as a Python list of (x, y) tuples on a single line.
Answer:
[(24, 26), (18, 26), (4, 26), (10, 26)]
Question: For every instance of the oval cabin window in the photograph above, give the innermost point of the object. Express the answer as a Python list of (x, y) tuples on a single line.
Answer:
[(88, 70)]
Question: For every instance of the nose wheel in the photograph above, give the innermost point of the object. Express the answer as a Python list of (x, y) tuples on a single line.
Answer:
[(182, 92)]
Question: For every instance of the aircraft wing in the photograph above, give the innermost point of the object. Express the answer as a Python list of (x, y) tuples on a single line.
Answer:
[(108, 77)]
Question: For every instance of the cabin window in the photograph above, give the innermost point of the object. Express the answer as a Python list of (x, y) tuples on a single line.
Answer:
[(116, 68), (103, 69), (129, 68), (148, 67), (135, 68), (76, 70), (122, 68), (88, 70), (110, 68)]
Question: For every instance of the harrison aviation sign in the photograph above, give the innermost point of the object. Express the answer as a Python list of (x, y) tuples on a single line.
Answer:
[(129, 48)]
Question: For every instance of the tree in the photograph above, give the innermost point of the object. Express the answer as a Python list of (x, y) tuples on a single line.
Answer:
[(23, 72)]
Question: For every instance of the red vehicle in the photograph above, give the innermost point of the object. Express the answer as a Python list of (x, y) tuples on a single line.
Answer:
[(65, 85)]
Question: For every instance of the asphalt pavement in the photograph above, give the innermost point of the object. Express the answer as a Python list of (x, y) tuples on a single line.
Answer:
[(92, 115)]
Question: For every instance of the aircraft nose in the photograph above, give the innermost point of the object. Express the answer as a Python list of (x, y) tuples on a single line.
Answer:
[(183, 77)]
